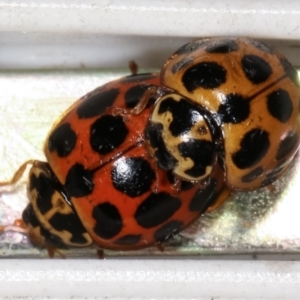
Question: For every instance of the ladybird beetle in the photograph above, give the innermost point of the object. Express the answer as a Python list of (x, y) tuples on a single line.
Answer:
[(231, 98), (99, 184)]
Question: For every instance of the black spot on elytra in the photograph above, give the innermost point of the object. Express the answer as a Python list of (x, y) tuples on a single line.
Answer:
[(45, 190), (156, 209), (153, 134), (107, 133), (201, 152), (191, 47), (256, 69), (62, 140), (222, 46), (207, 75), (96, 103), (254, 145), (234, 109), (129, 239), (70, 223), (79, 181), (251, 176), (186, 61), (132, 176), (261, 46), (273, 175), (287, 145), (108, 220), (168, 230), (184, 115), (290, 71), (134, 95), (204, 197), (280, 105), (184, 185)]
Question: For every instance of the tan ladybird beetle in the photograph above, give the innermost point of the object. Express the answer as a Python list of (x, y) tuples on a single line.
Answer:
[(231, 99)]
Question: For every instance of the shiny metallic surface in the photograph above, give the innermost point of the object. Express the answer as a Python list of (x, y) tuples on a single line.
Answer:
[(263, 221)]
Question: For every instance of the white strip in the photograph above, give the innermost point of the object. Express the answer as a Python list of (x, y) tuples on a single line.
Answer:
[(164, 17), (148, 279), (158, 8)]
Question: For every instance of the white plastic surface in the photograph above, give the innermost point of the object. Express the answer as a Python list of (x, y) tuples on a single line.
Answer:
[(148, 279), (267, 18), (107, 34)]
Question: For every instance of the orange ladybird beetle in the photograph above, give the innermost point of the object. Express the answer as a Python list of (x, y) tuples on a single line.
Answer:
[(100, 185), (234, 99)]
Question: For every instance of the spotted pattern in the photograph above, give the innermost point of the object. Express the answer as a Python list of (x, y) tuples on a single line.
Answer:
[(251, 176), (132, 176), (204, 197), (108, 220), (30, 218), (248, 95), (62, 140), (202, 154), (97, 103), (107, 133), (185, 115), (115, 218), (168, 230), (185, 123), (50, 197), (79, 181), (280, 105), (254, 145), (207, 75), (71, 224), (256, 69), (222, 46), (153, 134), (45, 191), (161, 205), (234, 109), (287, 145)]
